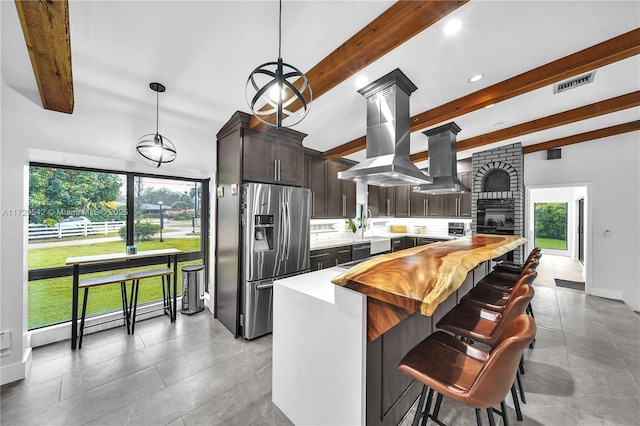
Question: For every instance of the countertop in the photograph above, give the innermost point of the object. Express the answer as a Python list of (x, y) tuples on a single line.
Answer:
[(337, 242), (418, 279)]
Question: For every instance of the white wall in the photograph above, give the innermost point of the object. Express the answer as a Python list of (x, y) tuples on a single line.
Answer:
[(611, 167), (30, 133)]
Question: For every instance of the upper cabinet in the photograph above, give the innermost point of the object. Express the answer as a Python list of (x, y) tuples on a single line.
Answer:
[(315, 172), (271, 159), (330, 196), (381, 201), (273, 156), (341, 194)]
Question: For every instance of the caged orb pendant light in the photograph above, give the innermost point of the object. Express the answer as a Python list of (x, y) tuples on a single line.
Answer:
[(155, 149), (277, 90)]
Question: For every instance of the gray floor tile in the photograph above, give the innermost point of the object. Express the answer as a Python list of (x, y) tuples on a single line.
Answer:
[(606, 410), (95, 403), (20, 398), (592, 378)]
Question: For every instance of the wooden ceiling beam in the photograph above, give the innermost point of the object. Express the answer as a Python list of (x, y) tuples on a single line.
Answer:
[(599, 55), (45, 24), (399, 23), (619, 103), (631, 126)]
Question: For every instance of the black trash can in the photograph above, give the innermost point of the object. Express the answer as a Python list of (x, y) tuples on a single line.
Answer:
[(192, 289)]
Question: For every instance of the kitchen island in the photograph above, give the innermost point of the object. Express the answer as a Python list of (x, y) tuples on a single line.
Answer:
[(338, 334)]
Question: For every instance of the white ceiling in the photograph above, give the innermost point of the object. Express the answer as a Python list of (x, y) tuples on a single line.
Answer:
[(203, 52)]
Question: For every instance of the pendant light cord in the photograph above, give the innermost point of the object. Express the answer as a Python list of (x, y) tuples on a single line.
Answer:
[(280, 31), (157, 109)]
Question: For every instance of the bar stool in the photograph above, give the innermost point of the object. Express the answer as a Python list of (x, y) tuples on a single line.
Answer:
[(509, 266), (466, 374), (472, 322), (86, 284), (135, 277), (506, 282), (494, 297)]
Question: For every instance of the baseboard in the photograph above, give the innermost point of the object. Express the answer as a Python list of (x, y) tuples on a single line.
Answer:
[(606, 293), (17, 371), (59, 332)]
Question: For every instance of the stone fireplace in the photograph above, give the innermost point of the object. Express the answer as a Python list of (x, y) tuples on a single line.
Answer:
[(499, 174)]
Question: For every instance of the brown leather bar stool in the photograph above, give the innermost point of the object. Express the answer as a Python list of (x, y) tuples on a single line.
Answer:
[(501, 281), (466, 374), (472, 322), (495, 297), (508, 266)]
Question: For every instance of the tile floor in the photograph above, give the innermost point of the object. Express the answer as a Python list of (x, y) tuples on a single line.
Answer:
[(584, 370)]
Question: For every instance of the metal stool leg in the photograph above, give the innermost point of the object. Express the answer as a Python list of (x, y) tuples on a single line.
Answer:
[(520, 388), (134, 300), (478, 417), (423, 395), (492, 420), (84, 313), (516, 402), (125, 310)]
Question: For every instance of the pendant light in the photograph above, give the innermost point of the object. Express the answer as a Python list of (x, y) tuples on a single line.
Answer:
[(277, 90), (155, 149)]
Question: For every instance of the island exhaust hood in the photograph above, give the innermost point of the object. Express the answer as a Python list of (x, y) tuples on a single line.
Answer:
[(388, 160), (443, 167)]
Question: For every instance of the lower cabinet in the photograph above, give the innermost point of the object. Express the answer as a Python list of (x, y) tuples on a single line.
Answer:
[(423, 241), (333, 256)]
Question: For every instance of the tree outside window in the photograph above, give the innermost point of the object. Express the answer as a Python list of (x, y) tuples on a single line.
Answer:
[(551, 225)]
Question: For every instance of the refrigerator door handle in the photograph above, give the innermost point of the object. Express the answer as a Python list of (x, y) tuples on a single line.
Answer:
[(288, 228), (264, 286), (282, 236)]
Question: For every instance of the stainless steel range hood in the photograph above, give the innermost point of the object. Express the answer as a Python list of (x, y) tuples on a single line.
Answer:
[(388, 135), (443, 161)]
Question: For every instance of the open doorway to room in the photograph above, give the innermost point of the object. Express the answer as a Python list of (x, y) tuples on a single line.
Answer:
[(557, 221)]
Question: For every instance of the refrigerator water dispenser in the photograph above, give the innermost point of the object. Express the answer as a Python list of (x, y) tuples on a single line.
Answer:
[(263, 232)]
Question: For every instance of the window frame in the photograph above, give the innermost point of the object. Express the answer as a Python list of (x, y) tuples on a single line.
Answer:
[(204, 211)]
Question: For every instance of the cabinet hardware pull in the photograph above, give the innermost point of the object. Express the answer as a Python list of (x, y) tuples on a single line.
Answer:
[(320, 255), (343, 251), (275, 170), (313, 203)]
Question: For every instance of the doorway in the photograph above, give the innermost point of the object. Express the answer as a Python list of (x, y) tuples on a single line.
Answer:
[(578, 228)]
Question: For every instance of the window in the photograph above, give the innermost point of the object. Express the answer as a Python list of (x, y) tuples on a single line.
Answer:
[(78, 212), (550, 221)]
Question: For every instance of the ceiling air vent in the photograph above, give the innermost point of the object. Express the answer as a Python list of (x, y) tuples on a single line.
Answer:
[(554, 154), (573, 83)]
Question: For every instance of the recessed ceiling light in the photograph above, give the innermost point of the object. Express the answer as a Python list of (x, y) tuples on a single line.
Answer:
[(361, 81), (475, 78), (452, 27), (490, 106), (498, 123)]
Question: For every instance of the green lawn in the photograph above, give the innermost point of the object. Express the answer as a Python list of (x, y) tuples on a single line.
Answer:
[(50, 299), (550, 243)]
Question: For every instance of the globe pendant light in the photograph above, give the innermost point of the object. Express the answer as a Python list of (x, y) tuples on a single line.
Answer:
[(277, 90), (155, 149)]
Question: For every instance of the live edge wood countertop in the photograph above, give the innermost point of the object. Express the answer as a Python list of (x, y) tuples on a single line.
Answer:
[(420, 278)]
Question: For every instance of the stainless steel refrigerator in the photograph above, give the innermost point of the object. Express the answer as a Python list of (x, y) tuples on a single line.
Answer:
[(275, 244)]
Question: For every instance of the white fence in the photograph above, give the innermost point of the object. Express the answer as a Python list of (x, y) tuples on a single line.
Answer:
[(38, 231)]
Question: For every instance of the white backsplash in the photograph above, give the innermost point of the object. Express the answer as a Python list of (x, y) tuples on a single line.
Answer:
[(326, 229)]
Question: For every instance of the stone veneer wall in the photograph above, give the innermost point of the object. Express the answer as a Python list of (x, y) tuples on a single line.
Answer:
[(510, 159)]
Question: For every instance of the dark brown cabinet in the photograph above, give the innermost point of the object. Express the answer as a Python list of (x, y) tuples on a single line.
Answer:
[(435, 205), (270, 159), (326, 258), (316, 180), (330, 196), (459, 205), (418, 204), (381, 201), (402, 201), (341, 194)]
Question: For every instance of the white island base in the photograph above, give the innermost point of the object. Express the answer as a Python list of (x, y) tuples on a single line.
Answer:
[(319, 350)]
